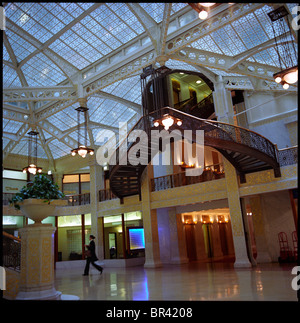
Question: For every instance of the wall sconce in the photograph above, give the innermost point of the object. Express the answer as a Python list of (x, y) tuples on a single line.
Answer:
[(189, 165)]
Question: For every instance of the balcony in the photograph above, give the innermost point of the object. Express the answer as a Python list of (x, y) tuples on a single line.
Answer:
[(210, 173), (106, 195)]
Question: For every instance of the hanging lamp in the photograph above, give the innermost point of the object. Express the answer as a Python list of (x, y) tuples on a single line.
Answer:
[(82, 149), (32, 167), (285, 50)]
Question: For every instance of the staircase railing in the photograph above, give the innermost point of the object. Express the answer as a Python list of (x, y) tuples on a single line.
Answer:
[(288, 156)]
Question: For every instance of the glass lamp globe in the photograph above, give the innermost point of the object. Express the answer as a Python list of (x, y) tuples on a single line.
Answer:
[(207, 4), (203, 14), (167, 122), (82, 151), (285, 86), (291, 77), (278, 79)]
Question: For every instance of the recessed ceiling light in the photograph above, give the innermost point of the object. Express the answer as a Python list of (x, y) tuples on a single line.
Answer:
[(198, 81)]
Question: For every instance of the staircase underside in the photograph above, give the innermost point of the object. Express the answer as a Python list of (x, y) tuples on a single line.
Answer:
[(246, 150)]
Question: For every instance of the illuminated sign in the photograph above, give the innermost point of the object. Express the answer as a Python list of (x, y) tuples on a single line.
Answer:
[(136, 238)]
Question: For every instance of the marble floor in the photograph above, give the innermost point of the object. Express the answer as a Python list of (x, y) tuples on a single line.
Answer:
[(193, 281)]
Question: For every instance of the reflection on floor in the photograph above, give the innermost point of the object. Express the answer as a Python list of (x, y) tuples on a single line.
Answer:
[(193, 281)]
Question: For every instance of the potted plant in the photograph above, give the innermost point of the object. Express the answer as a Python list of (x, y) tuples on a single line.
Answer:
[(38, 199)]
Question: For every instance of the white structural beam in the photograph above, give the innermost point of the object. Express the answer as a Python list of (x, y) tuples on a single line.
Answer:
[(48, 93), (220, 16), (223, 62), (46, 147), (44, 113), (236, 60), (57, 134), (12, 143), (67, 68), (132, 105), (45, 45), (164, 28), (149, 24)]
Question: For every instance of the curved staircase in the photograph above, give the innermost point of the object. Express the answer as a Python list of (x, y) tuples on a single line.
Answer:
[(246, 150)]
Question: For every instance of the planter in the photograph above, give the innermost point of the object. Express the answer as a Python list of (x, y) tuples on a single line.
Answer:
[(39, 209)]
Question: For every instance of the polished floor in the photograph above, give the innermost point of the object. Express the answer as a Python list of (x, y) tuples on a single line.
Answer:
[(193, 281)]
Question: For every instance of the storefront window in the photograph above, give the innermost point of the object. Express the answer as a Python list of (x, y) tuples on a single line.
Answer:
[(116, 235), (70, 239)]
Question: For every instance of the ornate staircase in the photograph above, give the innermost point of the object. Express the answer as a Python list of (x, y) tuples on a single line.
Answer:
[(246, 150)]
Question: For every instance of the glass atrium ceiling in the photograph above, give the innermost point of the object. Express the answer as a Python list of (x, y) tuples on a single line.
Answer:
[(55, 53)]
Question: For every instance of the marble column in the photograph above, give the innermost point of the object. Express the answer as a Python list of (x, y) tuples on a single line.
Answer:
[(37, 263), (240, 248), (96, 183), (152, 253), (263, 255), (225, 113), (177, 238)]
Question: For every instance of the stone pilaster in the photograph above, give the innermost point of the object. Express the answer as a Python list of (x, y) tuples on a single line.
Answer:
[(96, 183), (241, 257), (152, 252), (263, 255)]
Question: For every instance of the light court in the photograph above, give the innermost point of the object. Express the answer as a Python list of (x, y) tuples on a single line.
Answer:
[(165, 131)]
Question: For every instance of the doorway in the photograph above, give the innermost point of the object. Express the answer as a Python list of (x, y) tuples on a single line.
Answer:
[(190, 242), (112, 244), (207, 239)]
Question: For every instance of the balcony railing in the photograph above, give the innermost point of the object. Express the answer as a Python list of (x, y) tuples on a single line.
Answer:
[(106, 195), (180, 179), (11, 251), (73, 200), (76, 200)]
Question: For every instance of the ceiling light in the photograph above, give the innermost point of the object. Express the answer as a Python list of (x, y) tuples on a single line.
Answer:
[(198, 81), (207, 4), (278, 79), (32, 154), (167, 121), (287, 55), (291, 77), (203, 14), (82, 150), (285, 86)]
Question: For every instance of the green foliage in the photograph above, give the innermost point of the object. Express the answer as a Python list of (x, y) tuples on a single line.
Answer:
[(40, 188)]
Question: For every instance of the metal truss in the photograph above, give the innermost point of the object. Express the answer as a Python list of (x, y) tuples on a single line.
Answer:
[(243, 74)]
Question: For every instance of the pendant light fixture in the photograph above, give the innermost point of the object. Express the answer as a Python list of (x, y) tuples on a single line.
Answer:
[(32, 154), (285, 49), (82, 149), (203, 8)]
